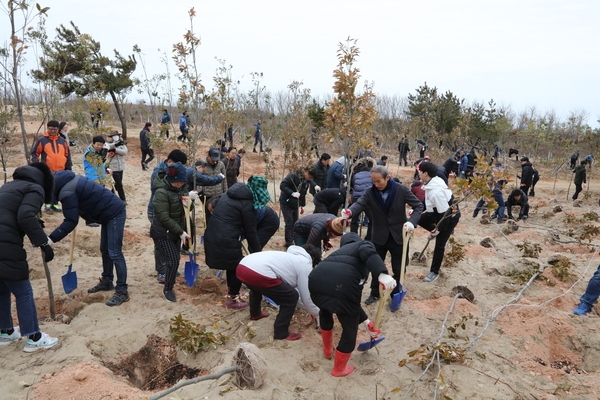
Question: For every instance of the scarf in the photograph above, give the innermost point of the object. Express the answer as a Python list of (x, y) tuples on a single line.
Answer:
[(392, 190)]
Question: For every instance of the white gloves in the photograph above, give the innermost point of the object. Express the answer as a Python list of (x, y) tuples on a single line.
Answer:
[(193, 195), (409, 227), (185, 200), (185, 238), (50, 241), (346, 213), (222, 176), (584, 186), (317, 188), (296, 194), (434, 233), (387, 281), (374, 333), (344, 175), (410, 212)]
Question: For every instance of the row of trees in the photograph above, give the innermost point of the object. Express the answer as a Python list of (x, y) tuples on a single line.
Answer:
[(75, 78)]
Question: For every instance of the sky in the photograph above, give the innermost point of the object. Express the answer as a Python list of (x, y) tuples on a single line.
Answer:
[(523, 54)]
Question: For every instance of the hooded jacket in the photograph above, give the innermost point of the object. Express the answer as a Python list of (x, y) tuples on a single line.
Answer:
[(168, 221), (117, 162), (212, 171), (93, 164), (335, 175), (291, 267), (438, 199), (320, 176), (526, 173), (233, 219), (82, 197), (21, 200), (336, 284)]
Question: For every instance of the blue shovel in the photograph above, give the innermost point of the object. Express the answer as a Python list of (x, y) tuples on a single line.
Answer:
[(398, 297), (190, 271), (69, 280), (383, 296)]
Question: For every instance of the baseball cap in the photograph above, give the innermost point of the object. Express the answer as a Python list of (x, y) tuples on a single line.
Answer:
[(214, 154)]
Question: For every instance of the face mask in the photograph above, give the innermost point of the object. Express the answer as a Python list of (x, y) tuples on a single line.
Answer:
[(115, 139)]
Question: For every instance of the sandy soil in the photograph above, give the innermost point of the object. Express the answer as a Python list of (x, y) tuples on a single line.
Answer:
[(535, 349)]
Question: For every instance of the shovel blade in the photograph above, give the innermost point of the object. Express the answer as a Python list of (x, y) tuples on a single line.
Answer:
[(190, 271), (364, 346), (69, 280), (397, 299)]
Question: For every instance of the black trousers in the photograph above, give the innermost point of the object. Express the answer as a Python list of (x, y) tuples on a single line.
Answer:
[(147, 156), (427, 221), (395, 250), (349, 324), (290, 216), (285, 295), (118, 177)]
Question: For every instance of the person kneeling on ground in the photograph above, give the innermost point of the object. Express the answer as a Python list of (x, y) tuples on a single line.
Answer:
[(336, 286), (518, 198), (282, 277), (440, 216)]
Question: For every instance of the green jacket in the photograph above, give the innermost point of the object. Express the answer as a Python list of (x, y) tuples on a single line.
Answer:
[(579, 175), (169, 216)]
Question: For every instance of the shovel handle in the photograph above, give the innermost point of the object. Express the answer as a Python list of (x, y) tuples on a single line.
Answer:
[(72, 248), (383, 296), (405, 239)]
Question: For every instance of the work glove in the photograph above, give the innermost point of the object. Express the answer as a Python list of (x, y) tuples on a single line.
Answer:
[(344, 175), (185, 200), (301, 210), (221, 176), (434, 233), (374, 333), (193, 195), (48, 252), (316, 321), (584, 186), (317, 188), (50, 242), (109, 171), (409, 227), (346, 213), (185, 238), (410, 212), (296, 195), (327, 246), (386, 281), (111, 153)]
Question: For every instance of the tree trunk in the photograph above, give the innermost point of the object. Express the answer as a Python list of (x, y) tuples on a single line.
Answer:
[(113, 95), (16, 84)]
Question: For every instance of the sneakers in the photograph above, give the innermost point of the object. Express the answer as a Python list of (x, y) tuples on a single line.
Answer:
[(45, 342), (431, 277), (48, 207), (170, 296), (55, 207), (371, 299), (261, 316), (582, 309), (118, 299), (5, 338), (104, 285), (161, 278)]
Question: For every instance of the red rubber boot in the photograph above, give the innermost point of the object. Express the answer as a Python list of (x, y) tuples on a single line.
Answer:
[(340, 364), (327, 337)]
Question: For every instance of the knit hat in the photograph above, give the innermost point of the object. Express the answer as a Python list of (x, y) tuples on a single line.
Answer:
[(260, 193), (336, 226), (177, 156), (176, 173)]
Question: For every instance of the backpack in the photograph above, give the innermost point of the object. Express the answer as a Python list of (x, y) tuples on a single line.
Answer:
[(536, 176)]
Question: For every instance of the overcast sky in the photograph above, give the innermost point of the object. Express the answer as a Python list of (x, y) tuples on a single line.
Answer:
[(521, 53)]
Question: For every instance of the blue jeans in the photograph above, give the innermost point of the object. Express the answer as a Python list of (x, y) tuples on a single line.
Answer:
[(26, 312), (111, 247), (501, 205), (593, 290)]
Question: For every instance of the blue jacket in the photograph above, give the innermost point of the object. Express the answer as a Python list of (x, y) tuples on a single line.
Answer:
[(201, 179), (335, 175), (82, 197), (361, 182), (183, 121), (464, 162)]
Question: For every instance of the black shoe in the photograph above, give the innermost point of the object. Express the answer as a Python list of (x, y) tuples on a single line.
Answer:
[(118, 299), (371, 299), (104, 285), (169, 295), (254, 151)]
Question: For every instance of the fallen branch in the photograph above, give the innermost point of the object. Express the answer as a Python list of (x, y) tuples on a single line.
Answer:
[(181, 384)]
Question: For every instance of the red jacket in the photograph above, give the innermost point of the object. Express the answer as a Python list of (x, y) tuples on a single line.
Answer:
[(52, 150)]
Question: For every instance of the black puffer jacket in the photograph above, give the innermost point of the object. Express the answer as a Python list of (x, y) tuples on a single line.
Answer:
[(233, 219), (526, 173), (336, 284), (321, 176), (313, 227), (294, 182), (21, 200)]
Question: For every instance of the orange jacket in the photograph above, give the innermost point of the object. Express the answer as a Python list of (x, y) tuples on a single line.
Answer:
[(52, 150)]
